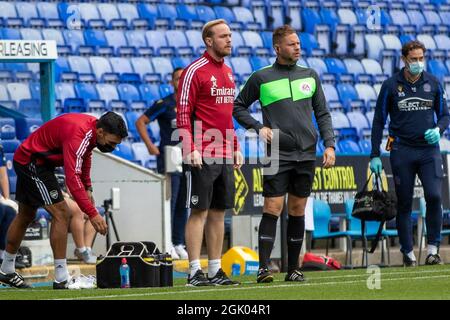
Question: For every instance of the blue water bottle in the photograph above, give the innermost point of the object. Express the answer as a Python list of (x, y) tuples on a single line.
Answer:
[(236, 269), (124, 274)]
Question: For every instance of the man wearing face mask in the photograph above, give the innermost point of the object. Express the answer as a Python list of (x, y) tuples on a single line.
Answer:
[(413, 98), (66, 141)]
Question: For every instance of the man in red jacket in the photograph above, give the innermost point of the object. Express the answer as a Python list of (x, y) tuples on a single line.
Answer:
[(204, 118), (66, 141)]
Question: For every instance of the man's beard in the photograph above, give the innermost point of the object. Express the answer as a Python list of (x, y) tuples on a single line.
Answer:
[(222, 53)]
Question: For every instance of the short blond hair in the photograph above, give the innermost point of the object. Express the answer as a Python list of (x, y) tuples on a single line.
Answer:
[(207, 32)]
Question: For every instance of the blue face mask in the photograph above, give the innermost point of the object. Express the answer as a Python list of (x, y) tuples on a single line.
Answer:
[(416, 67)]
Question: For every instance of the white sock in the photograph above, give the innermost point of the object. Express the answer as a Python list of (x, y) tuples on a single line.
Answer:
[(194, 265), (411, 256), (213, 267), (432, 249), (82, 249), (9, 263), (89, 249), (2, 254), (61, 272)]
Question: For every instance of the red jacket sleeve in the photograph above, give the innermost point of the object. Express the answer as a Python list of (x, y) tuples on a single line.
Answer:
[(86, 171), (74, 153), (188, 87)]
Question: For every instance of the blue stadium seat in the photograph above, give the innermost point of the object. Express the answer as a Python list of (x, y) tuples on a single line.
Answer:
[(293, 9), (176, 38), (438, 69), (252, 39), (26, 126), (374, 46), (241, 66), (35, 89), (330, 17), (358, 120), (442, 41), (148, 11), (267, 39), (427, 40), (64, 91), (347, 16), (238, 42), (330, 92), (180, 62), (107, 92), (167, 11), (339, 119), (335, 66), (74, 38), (445, 16), (432, 17), (11, 34), (7, 129), (416, 17), (187, 12), (156, 39), (276, 12), (18, 91), (258, 62), (141, 154), (308, 42), (10, 146), (259, 12), (100, 66), (310, 19), (108, 12), (48, 10), (318, 65), (244, 14), (224, 13), (88, 11), (31, 34), (53, 34), (128, 12), (8, 9), (163, 66), (128, 92), (4, 95), (136, 38), (121, 65), (195, 40), (392, 42), (141, 66), (371, 66), (399, 17), (79, 64), (86, 91), (116, 39), (149, 92), (165, 90), (354, 67), (365, 146), (349, 147), (365, 92), (61, 66), (347, 93), (95, 38), (123, 150)]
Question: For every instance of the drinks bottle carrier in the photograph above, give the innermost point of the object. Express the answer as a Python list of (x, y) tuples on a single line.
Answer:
[(148, 266)]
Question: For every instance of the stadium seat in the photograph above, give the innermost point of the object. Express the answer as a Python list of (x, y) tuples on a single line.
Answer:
[(195, 40), (121, 65), (349, 147), (438, 69), (108, 12), (149, 92), (148, 11), (365, 92), (354, 67), (4, 95), (276, 12), (252, 39), (442, 41), (141, 154), (310, 19), (339, 119), (357, 120), (53, 34), (163, 66), (128, 12), (64, 91), (318, 65), (95, 38), (87, 91), (107, 92), (10, 146), (205, 13), (347, 16), (30, 34), (128, 92), (244, 14), (100, 66), (416, 17), (371, 66), (176, 38), (293, 9), (347, 93), (80, 65), (258, 63), (224, 13), (74, 38), (48, 10), (432, 17), (241, 66), (18, 91), (88, 11), (142, 66), (7, 129), (11, 34), (156, 39), (116, 39), (8, 9), (399, 17), (308, 42), (136, 38), (330, 92), (167, 11), (335, 66), (26, 126), (124, 151)]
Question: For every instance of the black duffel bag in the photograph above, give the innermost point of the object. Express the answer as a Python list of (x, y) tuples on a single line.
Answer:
[(375, 205)]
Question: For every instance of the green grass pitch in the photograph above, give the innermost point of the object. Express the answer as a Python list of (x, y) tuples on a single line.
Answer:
[(426, 282)]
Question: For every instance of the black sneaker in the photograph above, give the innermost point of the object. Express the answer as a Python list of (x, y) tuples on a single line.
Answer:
[(433, 259), (295, 276), (264, 276), (407, 262), (14, 280), (71, 283), (198, 280), (221, 279)]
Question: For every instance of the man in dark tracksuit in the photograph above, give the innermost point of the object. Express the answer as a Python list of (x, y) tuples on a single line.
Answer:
[(413, 98), (288, 95)]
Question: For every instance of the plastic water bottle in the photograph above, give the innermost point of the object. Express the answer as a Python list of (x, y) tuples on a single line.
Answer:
[(44, 227), (236, 269), (124, 274)]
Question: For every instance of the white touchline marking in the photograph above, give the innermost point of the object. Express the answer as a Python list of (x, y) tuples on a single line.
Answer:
[(258, 287)]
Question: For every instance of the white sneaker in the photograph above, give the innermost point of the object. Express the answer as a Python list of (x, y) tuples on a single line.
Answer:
[(173, 253), (87, 282), (181, 251), (72, 283)]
